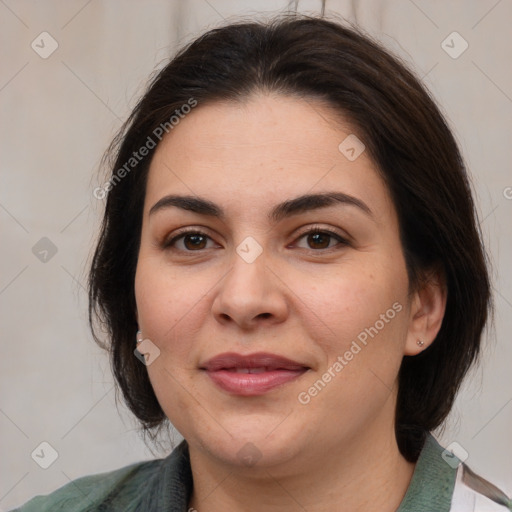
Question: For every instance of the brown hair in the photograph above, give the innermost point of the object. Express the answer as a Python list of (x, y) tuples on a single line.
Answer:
[(404, 133)]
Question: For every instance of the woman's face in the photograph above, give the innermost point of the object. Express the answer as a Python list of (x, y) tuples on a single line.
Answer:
[(334, 302)]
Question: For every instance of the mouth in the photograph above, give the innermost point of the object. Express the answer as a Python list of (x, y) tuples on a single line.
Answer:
[(253, 374)]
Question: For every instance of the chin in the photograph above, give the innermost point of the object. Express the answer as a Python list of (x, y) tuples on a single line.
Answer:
[(254, 443)]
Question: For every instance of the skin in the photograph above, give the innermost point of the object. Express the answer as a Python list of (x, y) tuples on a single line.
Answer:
[(302, 299)]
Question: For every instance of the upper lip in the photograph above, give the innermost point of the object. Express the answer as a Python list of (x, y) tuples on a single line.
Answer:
[(259, 360)]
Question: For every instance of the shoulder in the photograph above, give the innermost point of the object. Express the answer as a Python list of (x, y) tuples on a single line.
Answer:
[(116, 488)]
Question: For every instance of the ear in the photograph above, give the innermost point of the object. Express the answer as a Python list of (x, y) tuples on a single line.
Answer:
[(428, 306)]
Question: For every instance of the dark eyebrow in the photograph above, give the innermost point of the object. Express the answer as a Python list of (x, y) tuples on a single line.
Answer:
[(309, 202), (288, 208)]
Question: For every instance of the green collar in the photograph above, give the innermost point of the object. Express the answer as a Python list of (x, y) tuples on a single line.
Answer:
[(432, 482)]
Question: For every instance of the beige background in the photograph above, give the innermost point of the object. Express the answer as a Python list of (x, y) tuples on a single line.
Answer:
[(58, 115)]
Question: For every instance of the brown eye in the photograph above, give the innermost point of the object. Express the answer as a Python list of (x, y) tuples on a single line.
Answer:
[(196, 241), (318, 239), (188, 241)]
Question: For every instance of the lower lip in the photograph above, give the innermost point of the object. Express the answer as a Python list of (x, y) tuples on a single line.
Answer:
[(251, 384)]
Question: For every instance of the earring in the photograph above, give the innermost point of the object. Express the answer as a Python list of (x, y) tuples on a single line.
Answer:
[(139, 336), (420, 343)]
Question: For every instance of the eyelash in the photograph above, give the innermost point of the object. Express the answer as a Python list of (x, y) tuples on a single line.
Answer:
[(313, 230)]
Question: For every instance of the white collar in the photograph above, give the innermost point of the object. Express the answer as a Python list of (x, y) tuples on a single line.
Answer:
[(470, 494)]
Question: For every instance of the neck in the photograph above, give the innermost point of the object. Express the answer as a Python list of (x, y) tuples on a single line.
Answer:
[(366, 472)]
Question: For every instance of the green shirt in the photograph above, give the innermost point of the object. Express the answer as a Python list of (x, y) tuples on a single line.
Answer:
[(165, 485)]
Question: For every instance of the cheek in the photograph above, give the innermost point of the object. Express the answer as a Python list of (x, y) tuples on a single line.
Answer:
[(364, 313), (356, 300), (172, 307), (164, 297)]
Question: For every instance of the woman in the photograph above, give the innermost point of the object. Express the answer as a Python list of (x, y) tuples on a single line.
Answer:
[(291, 272)]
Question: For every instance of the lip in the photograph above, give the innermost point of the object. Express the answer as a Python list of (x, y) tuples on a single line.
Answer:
[(252, 374)]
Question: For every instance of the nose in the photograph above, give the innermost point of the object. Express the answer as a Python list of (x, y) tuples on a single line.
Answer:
[(251, 295)]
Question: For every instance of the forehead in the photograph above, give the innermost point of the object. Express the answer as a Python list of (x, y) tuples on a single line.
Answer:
[(261, 151)]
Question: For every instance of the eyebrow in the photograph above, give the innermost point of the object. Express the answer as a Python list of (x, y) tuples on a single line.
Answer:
[(296, 206)]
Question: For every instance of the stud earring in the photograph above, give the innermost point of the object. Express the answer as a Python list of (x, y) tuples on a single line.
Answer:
[(139, 336), (420, 343)]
